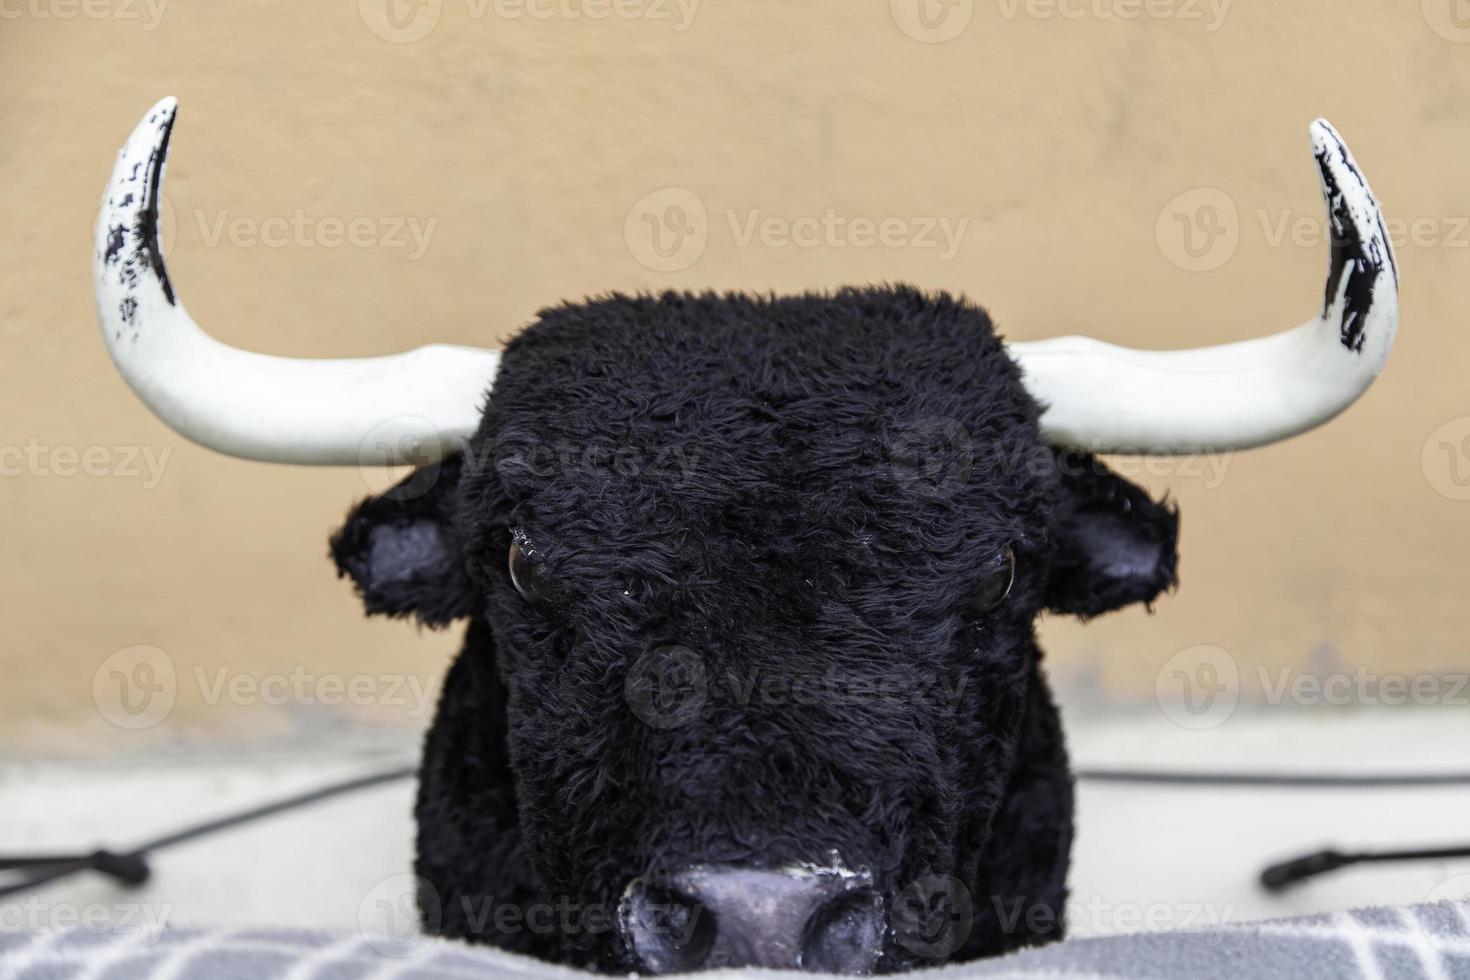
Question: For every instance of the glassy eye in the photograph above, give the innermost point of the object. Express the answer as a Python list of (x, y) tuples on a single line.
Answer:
[(527, 573), (997, 585)]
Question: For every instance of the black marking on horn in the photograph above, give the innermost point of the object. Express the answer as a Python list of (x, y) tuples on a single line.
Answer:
[(148, 218), (116, 238), (1362, 262)]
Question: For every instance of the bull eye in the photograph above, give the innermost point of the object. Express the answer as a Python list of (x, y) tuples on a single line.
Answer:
[(997, 585), (527, 573)]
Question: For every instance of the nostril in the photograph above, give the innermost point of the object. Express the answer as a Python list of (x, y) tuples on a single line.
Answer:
[(668, 930), (845, 935)]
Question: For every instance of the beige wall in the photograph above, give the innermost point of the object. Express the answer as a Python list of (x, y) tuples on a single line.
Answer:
[(520, 143)]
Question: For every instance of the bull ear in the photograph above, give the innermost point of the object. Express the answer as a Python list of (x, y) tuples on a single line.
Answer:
[(401, 551), (1114, 544)]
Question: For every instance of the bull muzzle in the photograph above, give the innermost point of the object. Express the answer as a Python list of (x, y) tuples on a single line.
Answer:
[(822, 919)]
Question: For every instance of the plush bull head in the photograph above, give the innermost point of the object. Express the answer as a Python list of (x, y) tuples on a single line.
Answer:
[(750, 674)]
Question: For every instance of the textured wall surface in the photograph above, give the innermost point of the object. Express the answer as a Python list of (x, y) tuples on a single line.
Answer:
[(359, 178)]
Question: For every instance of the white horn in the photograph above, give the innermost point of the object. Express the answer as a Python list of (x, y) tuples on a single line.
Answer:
[(407, 408), (1103, 398)]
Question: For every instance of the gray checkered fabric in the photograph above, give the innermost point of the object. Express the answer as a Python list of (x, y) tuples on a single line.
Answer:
[(1426, 941)]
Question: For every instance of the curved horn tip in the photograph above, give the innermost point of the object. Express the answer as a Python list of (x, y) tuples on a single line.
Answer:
[(151, 132), (1361, 247), (127, 248)]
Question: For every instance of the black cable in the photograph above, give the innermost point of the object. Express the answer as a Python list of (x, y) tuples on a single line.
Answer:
[(1284, 874), (131, 867), (1281, 779)]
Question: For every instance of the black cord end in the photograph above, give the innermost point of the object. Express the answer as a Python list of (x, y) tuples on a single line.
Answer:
[(130, 869), (1279, 877)]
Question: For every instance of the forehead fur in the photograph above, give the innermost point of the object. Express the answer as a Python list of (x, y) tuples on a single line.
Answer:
[(846, 423)]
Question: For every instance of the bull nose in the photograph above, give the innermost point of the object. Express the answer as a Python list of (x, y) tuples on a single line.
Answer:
[(707, 916)]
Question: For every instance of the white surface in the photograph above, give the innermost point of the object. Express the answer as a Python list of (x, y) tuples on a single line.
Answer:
[(1146, 857)]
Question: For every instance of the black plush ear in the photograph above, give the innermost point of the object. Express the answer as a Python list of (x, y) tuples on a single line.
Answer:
[(401, 551), (1115, 545)]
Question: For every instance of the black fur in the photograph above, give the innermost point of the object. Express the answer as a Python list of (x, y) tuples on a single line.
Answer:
[(809, 487)]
